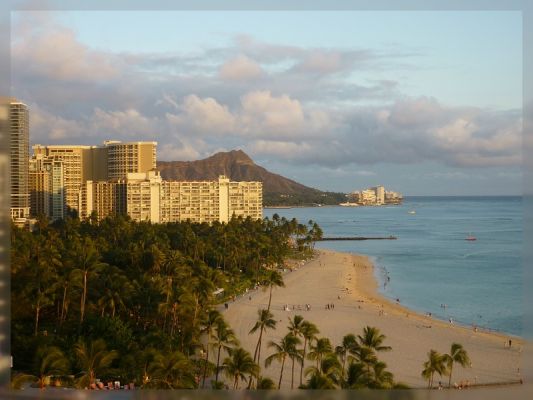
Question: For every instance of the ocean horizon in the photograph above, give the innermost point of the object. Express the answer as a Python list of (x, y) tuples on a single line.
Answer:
[(431, 268)]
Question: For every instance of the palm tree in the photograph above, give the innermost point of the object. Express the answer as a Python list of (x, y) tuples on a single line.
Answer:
[(295, 328), (382, 379), (457, 355), (373, 339), (49, 361), (436, 363), (309, 332), (44, 263), (213, 318), (356, 376), (93, 358), (143, 360), (274, 278), (224, 339), (327, 375), (238, 365), (295, 355), (172, 371), (285, 348), (264, 383), (265, 321), (349, 343), (319, 350), (88, 264), (116, 287), (295, 325), (366, 356)]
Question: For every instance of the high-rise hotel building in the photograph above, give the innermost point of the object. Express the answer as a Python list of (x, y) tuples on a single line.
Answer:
[(47, 187), (114, 160), (146, 197), (129, 157), (19, 157)]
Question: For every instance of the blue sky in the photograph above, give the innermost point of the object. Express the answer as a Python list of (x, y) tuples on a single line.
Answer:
[(423, 102)]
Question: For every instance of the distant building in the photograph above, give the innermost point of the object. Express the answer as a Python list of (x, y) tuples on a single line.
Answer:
[(374, 196), (129, 157), (146, 197), (380, 195), (19, 157), (82, 163), (367, 197), (142, 196), (77, 164), (393, 198), (47, 187)]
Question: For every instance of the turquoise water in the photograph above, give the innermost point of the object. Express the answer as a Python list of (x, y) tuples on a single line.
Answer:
[(430, 264)]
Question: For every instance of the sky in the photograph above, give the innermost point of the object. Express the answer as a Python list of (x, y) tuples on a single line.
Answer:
[(425, 103)]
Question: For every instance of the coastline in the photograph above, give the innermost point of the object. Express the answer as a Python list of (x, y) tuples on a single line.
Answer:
[(348, 281), (367, 286)]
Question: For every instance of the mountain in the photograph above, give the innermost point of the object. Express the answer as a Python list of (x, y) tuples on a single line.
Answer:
[(238, 166)]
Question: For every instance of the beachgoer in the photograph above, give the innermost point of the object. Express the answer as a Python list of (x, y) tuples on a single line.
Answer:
[(510, 343)]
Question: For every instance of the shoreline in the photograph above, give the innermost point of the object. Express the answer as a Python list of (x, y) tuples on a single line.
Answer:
[(347, 280), (368, 286), (482, 329)]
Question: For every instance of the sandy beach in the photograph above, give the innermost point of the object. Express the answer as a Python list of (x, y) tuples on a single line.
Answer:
[(348, 281)]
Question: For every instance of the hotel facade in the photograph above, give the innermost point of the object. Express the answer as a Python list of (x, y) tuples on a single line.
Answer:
[(146, 197), (113, 160), (19, 159)]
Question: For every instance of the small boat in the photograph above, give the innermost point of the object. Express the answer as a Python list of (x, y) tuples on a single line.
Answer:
[(470, 238), (348, 204), (411, 212)]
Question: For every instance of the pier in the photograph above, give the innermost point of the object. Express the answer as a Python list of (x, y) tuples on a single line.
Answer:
[(358, 238)]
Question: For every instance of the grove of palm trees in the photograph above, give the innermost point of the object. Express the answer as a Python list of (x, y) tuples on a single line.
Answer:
[(98, 302), (119, 300)]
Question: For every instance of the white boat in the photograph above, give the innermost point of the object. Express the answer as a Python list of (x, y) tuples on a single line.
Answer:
[(411, 212), (348, 204)]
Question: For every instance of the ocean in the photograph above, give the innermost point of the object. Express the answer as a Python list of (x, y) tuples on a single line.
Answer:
[(431, 267)]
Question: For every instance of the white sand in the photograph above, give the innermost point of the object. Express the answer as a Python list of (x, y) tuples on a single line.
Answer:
[(411, 335)]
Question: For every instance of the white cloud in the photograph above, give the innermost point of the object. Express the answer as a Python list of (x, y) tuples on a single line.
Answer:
[(129, 122), (285, 150), (52, 51), (202, 116), (240, 68), (320, 62), (46, 126), (182, 152), (263, 113)]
